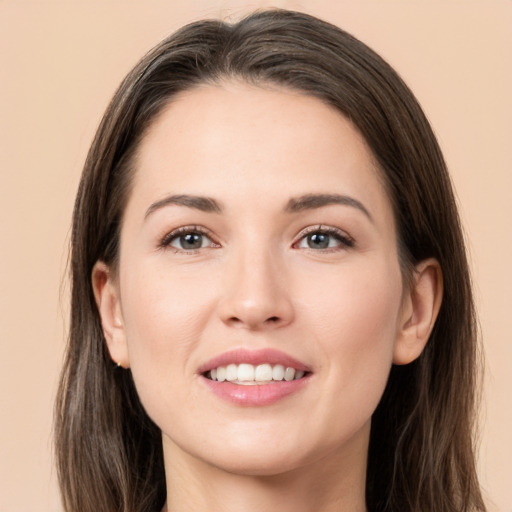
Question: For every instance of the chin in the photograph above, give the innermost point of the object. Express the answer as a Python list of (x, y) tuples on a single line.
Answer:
[(257, 464), (273, 454), (251, 455)]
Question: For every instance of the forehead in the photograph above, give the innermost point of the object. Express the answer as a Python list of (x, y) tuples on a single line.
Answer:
[(241, 141)]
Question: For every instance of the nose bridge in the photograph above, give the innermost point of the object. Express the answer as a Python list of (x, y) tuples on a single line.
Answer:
[(256, 295)]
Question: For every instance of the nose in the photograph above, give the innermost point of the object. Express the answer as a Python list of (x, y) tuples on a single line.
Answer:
[(256, 295)]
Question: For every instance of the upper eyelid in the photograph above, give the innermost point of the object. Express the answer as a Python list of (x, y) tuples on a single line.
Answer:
[(322, 228)]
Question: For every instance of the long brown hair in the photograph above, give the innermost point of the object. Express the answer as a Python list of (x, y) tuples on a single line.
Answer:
[(421, 455)]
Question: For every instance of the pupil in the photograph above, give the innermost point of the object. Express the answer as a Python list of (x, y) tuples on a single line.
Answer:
[(191, 241), (318, 241)]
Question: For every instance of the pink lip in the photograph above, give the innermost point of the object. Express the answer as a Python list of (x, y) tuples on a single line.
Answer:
[(255, 357), (258, 395), (254, 395)]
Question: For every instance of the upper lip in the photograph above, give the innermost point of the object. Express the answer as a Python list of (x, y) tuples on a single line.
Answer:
[(255, 357)]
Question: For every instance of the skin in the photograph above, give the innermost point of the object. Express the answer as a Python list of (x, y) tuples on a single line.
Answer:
[(256, 283)]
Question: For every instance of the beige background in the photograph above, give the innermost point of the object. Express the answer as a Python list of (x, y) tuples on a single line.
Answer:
[(60, 61)]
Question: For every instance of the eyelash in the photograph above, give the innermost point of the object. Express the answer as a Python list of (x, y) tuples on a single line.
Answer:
[(346, 241)]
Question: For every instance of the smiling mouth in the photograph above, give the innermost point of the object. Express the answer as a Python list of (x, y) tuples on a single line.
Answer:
[(253, 375)]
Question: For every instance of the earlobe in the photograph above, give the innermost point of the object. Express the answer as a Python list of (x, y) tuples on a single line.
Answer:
[(419, 311), (108, 302)]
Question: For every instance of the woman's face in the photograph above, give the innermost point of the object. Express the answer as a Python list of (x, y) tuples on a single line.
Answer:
[(258, 235)]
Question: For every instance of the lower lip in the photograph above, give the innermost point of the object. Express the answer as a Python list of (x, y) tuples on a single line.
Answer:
[(255, 395)]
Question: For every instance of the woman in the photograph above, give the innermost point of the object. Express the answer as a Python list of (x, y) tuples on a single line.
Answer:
[(271, 306)]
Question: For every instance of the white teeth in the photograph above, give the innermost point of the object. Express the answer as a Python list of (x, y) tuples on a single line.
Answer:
[(263, 373), (289, 374), (221, 373), (245, 372), (231, 372), (278, 372), (249, 374)]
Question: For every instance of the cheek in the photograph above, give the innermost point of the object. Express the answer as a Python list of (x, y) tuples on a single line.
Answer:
[(356, 305), (356, 324), (164, 317), (163, 308)]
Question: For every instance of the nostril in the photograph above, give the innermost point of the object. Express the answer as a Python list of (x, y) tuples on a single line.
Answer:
[(273, 319)]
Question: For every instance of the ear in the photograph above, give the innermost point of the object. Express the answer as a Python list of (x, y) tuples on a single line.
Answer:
[(420, 308), (106, 293)]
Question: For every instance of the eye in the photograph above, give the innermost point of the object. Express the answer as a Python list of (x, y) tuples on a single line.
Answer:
[(324, 239), (188, 239)]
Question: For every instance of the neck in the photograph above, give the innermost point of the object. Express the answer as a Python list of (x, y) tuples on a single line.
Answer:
[(327, 485)]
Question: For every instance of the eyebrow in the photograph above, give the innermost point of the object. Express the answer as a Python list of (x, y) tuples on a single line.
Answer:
[(313, 201), (294, 205), (205, 204)]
